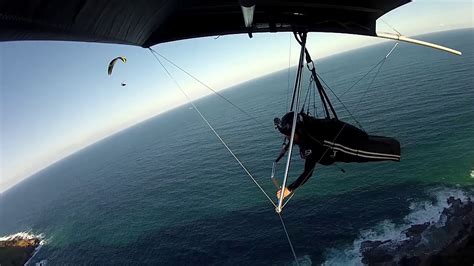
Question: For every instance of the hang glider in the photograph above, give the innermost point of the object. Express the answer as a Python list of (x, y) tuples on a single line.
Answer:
[(149, 22), (146, 23)]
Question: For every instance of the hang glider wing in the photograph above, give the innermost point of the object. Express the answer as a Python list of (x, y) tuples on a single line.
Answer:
[(149, 22)]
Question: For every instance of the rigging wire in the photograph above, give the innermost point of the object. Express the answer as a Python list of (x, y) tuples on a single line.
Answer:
[(370, 85), (343, 105), (314, 101), (307, 98), (366, 74), (380, 62), (213, 130), (262, 125), (289, 240), (288, 85), (399, 34), (230, 151)]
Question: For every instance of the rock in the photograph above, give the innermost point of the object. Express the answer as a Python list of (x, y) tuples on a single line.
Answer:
[(416, 230), (450, 241), (409, 261), (18, 249), (374, 253), (368, 245)]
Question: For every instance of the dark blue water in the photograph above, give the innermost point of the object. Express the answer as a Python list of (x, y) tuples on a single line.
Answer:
[(167, 191)]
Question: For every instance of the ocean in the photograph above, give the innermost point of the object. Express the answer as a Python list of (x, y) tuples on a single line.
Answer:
[(167, 192)]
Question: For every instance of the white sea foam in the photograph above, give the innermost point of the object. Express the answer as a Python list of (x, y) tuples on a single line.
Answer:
[(22, 235), (29, 236), (304, 260), (421, 212)]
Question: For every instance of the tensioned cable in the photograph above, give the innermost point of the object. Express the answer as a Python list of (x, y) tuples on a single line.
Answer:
[(375, 76), (289, 240), (208, 87), (357, 82), (213, 130), (343, 105), (288, 85), (314, 102), (391, 27), (370, 85), (307, 98), (380, 62)]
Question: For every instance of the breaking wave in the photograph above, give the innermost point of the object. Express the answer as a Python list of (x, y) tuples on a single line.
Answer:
[(421, 212)]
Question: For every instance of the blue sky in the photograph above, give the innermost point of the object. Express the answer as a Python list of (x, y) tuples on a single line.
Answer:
[(56, 97)]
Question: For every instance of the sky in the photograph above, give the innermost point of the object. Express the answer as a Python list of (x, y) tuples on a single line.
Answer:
[(56, 97)]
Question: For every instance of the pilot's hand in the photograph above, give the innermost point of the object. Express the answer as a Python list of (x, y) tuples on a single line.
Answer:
[(286, 192)]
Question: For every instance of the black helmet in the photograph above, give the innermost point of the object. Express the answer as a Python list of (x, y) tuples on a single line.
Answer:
[(284, 125)]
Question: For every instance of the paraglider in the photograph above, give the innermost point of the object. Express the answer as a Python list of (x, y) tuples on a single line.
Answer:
[(112, 65), (113, 62)]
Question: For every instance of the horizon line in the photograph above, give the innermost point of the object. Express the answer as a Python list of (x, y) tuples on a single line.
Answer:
[(145, 118)]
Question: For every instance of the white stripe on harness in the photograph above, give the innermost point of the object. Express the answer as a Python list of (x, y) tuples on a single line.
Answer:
[(361, 153)]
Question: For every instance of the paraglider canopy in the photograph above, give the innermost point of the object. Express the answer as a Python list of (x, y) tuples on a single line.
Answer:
[(112, 64), (146, 23)]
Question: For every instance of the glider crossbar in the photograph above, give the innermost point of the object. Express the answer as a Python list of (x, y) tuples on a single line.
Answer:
[(402, 38), (294, 107)]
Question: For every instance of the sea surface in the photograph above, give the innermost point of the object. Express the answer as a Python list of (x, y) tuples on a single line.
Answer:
[(167, 192)]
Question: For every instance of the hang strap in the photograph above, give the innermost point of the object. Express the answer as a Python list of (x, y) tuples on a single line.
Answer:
[(322, 93)]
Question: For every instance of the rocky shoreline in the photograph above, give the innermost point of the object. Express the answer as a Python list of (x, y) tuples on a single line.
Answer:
[(448, 241), (18, 249)]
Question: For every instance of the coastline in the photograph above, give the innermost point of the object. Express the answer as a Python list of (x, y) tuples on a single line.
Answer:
[(18, 249)]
